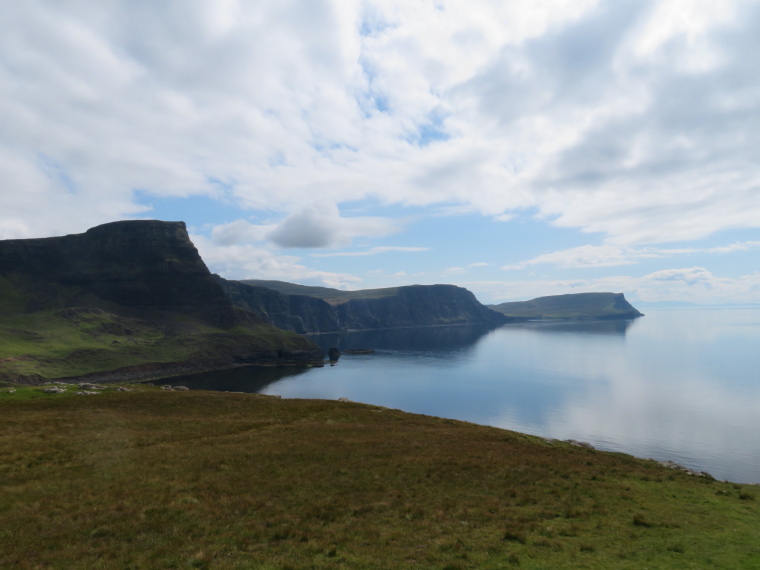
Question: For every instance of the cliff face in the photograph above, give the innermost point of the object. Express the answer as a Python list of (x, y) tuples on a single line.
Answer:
[(572, 306), (138, 264), (411, 306), (417, 305), (298, 313), (127, 295)]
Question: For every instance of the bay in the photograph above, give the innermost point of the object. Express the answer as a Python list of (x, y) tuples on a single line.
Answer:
[(677, 384)]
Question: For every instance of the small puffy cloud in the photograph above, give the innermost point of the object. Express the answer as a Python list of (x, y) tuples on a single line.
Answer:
[(322, 226)]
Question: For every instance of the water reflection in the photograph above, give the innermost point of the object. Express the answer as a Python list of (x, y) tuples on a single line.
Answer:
[(445, 339), (592, 327)]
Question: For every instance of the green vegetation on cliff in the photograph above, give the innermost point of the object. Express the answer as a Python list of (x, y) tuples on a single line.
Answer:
[(129, 295), (154, 479), (572, 306)]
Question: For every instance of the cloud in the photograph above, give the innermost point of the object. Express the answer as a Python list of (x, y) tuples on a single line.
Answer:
[(246, 261), (613, 255), (322, 226), (692, 284), (455, 271), (240, 231), (609, 116), (372, 251)]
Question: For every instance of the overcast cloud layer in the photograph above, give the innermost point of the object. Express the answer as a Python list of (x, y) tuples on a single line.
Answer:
[(636, 122)]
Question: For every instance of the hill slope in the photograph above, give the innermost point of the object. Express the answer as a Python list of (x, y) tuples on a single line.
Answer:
[(127, 294), (573, 306)]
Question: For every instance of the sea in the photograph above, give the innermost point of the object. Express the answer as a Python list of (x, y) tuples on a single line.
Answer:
[(678, 385)]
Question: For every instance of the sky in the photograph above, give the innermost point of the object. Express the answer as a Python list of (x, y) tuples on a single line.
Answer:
[(518, 149)]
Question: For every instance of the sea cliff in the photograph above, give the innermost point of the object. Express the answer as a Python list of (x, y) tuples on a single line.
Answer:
[(132, 296), (306, 309)]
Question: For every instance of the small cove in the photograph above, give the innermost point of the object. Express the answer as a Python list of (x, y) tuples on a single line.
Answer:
[(677, 384)]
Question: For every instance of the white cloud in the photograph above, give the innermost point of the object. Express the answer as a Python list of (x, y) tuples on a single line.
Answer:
[(613, 255), (240, 231), (372, 251), (609, 116), (246, 261), (455, 271), (693, 284), (321, 225)]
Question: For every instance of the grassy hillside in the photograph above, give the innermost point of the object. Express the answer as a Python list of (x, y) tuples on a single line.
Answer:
[(572, 306), (76, 341), (153, 479)]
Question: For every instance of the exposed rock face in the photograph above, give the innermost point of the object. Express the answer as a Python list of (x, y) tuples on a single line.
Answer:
[(141, 264), (417, 305), (298, 313), (411, 306), (573, 306)]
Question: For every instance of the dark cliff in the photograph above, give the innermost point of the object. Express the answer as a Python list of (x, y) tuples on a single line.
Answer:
[(298, 313), (417, 305), (139, 264), (130, 294), (572, 306), (320, 309)]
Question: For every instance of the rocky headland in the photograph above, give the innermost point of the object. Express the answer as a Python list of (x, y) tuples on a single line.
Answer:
[(571, 306), (130, 299)]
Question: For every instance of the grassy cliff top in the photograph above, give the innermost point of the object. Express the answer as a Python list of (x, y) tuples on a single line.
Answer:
[(154, 479), (571, 306)]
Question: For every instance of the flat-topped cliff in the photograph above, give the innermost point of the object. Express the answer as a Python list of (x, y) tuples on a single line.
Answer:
[(571, 306), (125, 294)]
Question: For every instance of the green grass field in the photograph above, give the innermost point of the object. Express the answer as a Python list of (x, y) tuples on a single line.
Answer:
[(59, 343), (154, 479)]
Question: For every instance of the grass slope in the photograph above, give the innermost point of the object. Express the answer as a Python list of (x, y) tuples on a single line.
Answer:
[(153, 479), (74, 341)]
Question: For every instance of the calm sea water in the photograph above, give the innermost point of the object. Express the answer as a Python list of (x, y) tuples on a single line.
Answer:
[(679, 384)]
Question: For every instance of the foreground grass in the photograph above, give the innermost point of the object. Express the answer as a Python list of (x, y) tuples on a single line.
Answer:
[(153, 479)]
